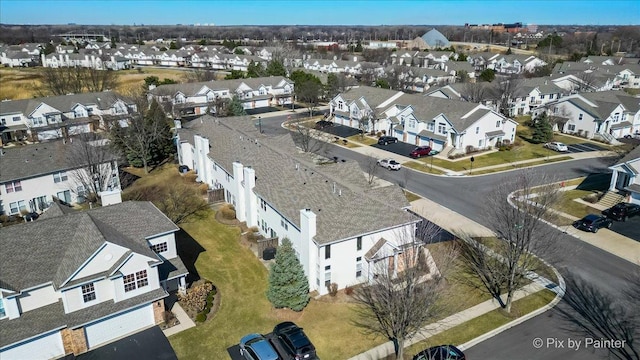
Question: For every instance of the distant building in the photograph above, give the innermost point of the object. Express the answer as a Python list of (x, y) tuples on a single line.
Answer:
[(435, 39)]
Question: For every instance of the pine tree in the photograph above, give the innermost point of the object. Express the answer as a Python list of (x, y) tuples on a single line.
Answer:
[(235, 107), (542, 130), (288, 285)]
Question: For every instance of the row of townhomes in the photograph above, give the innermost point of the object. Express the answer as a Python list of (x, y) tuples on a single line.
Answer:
[(441, 123), (34, 176), (194, 99), (53, 117), (605, 115), (73, 281), (340, 225)]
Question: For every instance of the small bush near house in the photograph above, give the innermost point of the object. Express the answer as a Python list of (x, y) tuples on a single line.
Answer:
[(348, 290), (379, 134), (333, 289), (592, 198), (196, 298), (469, 149), (228, 212)]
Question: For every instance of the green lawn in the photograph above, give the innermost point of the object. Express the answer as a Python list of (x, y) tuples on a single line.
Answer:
[(422, 167), (519, 166), (410, 196), (569, 206), (364, 140), (473, 328)]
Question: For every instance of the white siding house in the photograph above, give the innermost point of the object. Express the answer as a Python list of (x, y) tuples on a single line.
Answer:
[(625, 177), (93, 277), (329, 212)]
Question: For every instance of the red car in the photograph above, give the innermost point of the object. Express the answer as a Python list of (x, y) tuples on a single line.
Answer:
[(420, 151)]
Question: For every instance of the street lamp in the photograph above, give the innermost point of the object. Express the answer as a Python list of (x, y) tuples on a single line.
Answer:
[(471, 169), (260, 123)]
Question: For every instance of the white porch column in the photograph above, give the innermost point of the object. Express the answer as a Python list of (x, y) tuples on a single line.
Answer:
[(614, 179)]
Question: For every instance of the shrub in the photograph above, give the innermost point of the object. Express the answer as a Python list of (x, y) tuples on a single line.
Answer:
[(592, 198), (379, 134), (196, 296), (469, 149), (333, 289), (201, 317), (228, 212), (384, 132), (348, 290)]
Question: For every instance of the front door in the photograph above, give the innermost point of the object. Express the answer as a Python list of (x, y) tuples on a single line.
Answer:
[(622, 181), (65, 196)]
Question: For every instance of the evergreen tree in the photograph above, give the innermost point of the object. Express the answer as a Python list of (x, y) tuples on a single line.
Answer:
[(542, 130), (255, 70), (288, 285), (276, 68), (235, 107), (358, 47), (383, 83), (487, 75)]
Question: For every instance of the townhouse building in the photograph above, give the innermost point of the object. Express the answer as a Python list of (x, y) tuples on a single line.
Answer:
[(33, 176), (74, 281), (453, 126), (606, 115), (54, 117), (625, 177), (341, 228), (194, 99), (533, 93)]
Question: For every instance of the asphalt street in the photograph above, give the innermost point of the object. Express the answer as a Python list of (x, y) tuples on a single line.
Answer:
[(466, 195)]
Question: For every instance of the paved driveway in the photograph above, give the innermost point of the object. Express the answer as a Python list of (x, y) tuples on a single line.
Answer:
[(400, 148), (341, 130), (629, 228), (582, 147)]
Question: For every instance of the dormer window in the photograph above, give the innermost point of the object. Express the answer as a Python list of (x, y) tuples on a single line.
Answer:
[(135, 281), (88, 292)]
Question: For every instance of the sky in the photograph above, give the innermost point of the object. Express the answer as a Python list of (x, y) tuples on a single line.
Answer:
[(314, 12)]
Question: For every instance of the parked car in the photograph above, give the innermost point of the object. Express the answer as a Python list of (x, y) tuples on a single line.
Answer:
[(593, 223), (295, 341), (323, 124), (556, 146), (622, 211), (384, 140), (257, 347), (441, 352), (31, 216), (420, 151), (389, 164), (635, 135)]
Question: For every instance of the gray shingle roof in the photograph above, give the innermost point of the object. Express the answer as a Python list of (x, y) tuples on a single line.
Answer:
[(59, 245), (39, 159), (64, 103), (51, 317), (345, 213), (191, 89), (373, 96), (427, 108)]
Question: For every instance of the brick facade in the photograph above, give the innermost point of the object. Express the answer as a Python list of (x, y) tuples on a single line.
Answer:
[(74, 340), (158, 311)]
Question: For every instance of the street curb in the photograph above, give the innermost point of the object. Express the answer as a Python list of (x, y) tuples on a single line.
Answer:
[(521, 319)]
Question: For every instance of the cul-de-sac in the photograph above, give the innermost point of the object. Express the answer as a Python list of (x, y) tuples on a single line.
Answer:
[(300, 180)]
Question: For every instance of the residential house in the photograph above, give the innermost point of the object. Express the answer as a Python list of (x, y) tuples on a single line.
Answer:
[(74, 281), (533, 93), (438, 122), (515, 64), (339, 225), (417, 79), (605, 114), (55, 117), (34, 175), (193, 99), (625, 176)]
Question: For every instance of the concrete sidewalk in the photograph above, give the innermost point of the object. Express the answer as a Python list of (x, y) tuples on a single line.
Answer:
[(185, 321)]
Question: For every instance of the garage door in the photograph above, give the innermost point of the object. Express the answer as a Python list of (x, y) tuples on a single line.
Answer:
[(44, 347), (120, 325)]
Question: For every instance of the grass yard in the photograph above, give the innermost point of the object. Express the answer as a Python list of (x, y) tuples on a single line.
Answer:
[(571, 207), (366, 140), (410, 196), (423, 167), (473, 328), (519, 166)]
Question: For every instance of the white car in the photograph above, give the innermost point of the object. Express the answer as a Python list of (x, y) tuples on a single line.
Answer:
[(557, 146), (389, 164)]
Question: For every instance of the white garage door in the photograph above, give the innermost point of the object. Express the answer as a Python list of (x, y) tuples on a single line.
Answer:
[(45, 347), (115, 327)]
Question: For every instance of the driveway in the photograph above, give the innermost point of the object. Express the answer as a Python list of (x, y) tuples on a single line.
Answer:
[(629, 228), (147, 344), (582, 147), (400, 148), (341, 130)]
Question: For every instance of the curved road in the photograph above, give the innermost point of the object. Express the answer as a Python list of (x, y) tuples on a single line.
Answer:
[(465, 195)]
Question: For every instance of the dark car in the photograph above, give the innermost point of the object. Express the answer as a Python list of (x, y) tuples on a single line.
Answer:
[(592, 223), (257, 347), (295, 341), (31, 216), (384, 140), (323, 124), (622, 211), (441, 352), (420, 151)]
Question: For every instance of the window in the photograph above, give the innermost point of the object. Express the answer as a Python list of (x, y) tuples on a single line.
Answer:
[(480, 143), (284, 223), (412, 123), (264, 226), (327, 252), (477, 129), (159, 248), (358, 266), (18, 206), (571, 127), (60, 177), (580, 117), (327, 276), (88, 292), (430, 126), (16, 118), (13, 186), (134, 281), (263, 205), (442, 128), (541, 97), (3, 122), (359, 243), (616, 116), (498, 123), (533, 99), (550, 96), (3, 313)]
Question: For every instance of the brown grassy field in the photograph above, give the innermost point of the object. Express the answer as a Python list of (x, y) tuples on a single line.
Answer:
[(22, 83)]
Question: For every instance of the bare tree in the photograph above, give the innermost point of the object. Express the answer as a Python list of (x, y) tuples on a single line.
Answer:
[(180, 203), (603, 316), (505, 92), (586, 81), (475, 92), (93, 162), (307, 139), (371, 168), (200, 75), (75, 80), (503, 267), (404, 291)]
